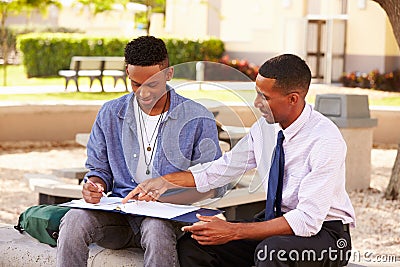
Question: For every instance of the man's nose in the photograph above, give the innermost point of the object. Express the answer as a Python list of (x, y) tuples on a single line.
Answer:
[(143, 92), (258, 102)]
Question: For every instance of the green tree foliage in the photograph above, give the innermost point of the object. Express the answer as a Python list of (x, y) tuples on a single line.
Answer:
[(99, 6), (15, 7), (156, 6)]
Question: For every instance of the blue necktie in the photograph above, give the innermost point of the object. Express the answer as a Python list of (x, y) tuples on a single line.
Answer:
[(275, 181)]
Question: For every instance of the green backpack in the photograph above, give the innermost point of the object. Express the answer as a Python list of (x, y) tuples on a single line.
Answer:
[(42, 222)]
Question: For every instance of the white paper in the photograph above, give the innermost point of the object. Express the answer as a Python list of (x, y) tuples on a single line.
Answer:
[(106, 203), (156, 209), (151, 209)]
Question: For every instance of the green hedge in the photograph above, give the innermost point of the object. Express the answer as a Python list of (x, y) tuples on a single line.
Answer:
[(45, 54)]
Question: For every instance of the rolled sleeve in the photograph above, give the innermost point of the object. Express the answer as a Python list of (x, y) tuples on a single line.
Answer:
[(300, 224), (200, 177)]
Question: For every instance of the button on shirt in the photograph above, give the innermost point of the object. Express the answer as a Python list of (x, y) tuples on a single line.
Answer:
[(314, 177)]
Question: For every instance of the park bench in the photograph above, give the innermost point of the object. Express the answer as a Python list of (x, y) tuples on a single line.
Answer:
[(95, 68)]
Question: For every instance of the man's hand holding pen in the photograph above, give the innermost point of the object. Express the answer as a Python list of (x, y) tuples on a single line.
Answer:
[(93, 190)]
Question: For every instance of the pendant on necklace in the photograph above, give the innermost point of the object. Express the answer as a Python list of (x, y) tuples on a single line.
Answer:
[(147, 171), (148, 148)]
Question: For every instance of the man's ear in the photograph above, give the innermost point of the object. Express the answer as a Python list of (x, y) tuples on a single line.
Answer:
[(126, 70), (294, 98), (170, 73)]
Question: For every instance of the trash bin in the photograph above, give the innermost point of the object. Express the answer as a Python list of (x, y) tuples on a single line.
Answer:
[(351, 114)]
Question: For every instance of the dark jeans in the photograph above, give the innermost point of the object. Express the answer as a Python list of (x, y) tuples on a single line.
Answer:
[(330, 247)]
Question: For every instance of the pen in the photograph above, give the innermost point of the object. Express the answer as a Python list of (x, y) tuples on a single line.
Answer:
[(95, 185)]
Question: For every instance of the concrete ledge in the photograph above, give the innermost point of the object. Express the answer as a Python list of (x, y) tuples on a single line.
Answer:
[(238, 197), (386, 132), (45, 122), (60, 190), (18, 250), (73, 173), (239, 116), (22, 250), (51, 185), (61, 122)]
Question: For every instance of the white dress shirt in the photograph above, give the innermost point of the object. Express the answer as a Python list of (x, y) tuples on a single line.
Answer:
[(314, 177)]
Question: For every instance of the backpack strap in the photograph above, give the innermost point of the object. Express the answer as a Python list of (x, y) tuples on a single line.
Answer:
[(18, 227)]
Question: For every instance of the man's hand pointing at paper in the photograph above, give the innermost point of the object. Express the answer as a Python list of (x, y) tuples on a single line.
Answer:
[(149, 190), (152, 189)]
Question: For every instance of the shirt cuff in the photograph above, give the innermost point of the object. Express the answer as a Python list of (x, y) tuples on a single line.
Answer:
[(299, 225), (200, 177)]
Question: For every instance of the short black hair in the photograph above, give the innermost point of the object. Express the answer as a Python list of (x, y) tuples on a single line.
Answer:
[(146, 51), (290, 72)]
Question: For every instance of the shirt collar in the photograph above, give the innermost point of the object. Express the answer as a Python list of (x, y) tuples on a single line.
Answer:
[(295, 127), (173, 103)]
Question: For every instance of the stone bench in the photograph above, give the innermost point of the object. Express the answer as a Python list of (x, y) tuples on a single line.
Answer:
[(22, 250), (72, 173), (19, 250), (53, 189)]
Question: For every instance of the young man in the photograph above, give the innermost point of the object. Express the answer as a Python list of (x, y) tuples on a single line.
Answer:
[(308, 212), (150, 132)]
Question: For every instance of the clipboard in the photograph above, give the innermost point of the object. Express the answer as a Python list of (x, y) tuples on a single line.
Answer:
[(191, 216)]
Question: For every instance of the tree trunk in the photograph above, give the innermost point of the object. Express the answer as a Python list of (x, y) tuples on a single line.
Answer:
[(392, 8), (393, 189), (148, 16), (3, 35)]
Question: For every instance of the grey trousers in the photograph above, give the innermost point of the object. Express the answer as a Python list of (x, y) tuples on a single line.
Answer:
[(79, 228)]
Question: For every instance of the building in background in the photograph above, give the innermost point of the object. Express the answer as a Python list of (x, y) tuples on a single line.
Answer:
[(334, 36)]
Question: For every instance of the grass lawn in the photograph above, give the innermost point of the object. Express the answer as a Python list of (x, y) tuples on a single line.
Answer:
[(16, 77), (60, 96), (387, 101)]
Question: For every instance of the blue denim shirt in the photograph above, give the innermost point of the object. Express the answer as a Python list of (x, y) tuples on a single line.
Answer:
[(187, 136)]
